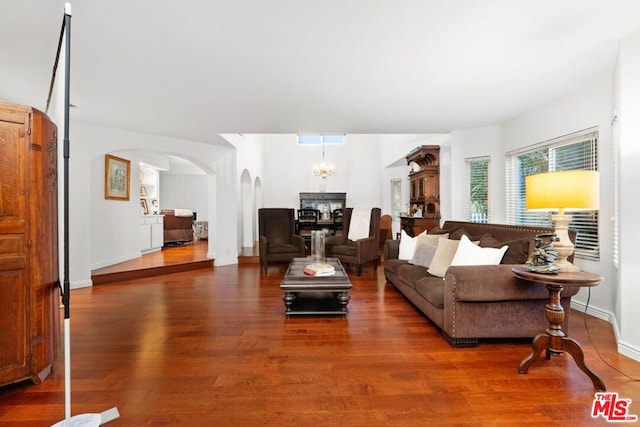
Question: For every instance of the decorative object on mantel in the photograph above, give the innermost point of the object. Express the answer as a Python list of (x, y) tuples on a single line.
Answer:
[(572, 190), (542, 259), (323, 169)]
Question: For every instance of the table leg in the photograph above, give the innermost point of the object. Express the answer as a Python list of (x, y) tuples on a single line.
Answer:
[(288, 299), (540, 342), (572, 347), (343, 300)]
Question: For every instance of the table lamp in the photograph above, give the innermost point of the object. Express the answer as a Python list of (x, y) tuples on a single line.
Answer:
[(572, 190)]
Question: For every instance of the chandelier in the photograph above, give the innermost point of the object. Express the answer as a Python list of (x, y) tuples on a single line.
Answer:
[(323, 169)]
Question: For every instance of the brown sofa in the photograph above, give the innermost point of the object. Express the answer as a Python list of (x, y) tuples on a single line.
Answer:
[(474, 302), (177, 229)]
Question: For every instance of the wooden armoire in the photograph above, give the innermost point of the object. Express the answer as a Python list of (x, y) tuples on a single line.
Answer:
[(29, 269), (424, 197)]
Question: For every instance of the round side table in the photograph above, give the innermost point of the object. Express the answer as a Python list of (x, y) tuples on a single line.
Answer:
[(554, 341)]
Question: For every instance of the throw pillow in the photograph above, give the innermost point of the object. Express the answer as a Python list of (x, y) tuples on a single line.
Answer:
[(423, 255), (407, 245), (445, 252), (517, 253), (431, 239), (469, 253)]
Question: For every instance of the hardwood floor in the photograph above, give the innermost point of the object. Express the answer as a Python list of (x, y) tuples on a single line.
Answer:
[(212, 347), (187, 257)]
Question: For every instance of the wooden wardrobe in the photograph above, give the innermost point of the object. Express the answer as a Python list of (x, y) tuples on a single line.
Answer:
[(29, 269)]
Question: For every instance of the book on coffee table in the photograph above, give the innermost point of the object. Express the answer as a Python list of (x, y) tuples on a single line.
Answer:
[(319, 269)]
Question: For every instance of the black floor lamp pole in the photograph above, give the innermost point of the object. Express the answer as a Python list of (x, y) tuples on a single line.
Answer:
[(86, 420)]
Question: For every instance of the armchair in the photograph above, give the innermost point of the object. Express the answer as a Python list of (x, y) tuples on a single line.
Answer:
[(278, 241), (356, 252)]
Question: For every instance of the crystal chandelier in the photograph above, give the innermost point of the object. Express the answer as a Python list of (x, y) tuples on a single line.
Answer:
[(323, 169)]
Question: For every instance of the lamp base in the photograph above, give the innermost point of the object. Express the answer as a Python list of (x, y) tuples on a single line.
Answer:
[(563, 246)]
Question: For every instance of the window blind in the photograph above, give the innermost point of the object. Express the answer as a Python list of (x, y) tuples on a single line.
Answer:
[(572, 152)]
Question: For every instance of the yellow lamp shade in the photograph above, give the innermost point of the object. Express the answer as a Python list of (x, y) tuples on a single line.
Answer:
[(573, 190)]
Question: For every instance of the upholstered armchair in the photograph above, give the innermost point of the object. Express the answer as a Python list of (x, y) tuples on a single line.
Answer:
[(356, 252), (278, 241)]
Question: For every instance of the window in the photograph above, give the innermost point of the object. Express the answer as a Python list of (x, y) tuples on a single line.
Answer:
[(396, 198), (478, 186), (318, 139), (572, 152)]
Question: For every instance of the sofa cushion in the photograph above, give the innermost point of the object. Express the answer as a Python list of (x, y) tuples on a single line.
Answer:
[(445, 252), (517, 253), (412, 273), (407, 245), (432, 289), (393, 265), (468, 253)]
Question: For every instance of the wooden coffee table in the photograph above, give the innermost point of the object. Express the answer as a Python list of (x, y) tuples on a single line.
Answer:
[(320, 295)]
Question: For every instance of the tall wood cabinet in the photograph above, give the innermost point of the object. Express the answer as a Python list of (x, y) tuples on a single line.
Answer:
[(29, 287), (424, 189)]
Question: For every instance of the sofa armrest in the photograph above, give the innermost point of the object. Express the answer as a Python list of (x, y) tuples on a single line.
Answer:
[(391, 249), (476, 283)]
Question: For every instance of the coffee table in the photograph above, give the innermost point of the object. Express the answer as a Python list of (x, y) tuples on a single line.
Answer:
[(319, 295)]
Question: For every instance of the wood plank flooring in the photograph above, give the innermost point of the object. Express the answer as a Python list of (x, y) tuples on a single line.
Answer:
[(174, 259), (212, 347)]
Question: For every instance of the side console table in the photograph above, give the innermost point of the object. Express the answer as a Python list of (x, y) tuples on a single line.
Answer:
[(554, 341)]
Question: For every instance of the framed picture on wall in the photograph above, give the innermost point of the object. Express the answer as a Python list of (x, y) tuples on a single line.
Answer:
[(116, 178)]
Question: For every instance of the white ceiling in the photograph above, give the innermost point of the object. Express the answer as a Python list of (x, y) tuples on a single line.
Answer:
[(197, 68)]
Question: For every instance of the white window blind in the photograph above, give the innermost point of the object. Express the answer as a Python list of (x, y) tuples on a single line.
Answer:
[(615, 191), (478, 189), (571, 152)]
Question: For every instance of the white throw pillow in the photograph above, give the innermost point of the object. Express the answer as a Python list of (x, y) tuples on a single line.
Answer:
[(469, 253), (407, 245), (445, 252)]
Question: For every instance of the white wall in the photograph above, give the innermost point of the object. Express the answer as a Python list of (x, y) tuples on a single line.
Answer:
[(480, 142), (365, 166), (104, 232), (628, 103), (250, 149), (185, 192)]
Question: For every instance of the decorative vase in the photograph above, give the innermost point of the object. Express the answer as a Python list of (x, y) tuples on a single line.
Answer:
[(317, 246)]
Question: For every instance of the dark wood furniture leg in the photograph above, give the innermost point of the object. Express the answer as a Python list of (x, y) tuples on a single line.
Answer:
[(554, 341)]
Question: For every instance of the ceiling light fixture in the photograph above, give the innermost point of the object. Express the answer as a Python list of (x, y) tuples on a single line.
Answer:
[(323, 169)]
